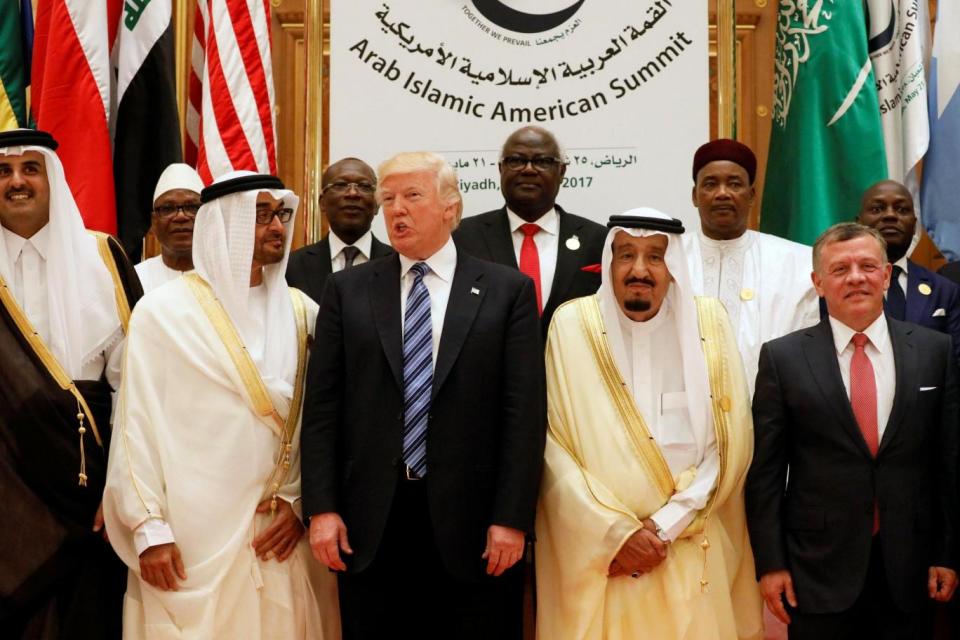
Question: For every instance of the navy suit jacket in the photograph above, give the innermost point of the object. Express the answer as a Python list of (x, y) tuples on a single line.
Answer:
[(939, 309)]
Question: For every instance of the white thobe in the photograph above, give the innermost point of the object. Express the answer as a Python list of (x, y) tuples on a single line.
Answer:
[(660, 395), (763, 282), (29, 287), (153, 273)]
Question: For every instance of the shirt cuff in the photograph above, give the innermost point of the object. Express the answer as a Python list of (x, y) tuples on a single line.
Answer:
[(673, 518), (151, 533)]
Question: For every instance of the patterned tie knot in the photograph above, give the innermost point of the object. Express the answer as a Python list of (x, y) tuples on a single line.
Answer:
[(419, 270), (350, 254), (860, 340), (529, 229)]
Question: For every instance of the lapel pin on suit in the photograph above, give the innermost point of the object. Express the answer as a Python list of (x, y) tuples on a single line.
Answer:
[(924, 288), (572, 243)]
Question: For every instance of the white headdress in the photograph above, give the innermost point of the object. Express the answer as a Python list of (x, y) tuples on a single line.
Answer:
[(178, 176)]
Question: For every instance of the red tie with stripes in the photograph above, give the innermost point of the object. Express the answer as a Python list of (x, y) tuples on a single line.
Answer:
[(863, 400), (530, 258)]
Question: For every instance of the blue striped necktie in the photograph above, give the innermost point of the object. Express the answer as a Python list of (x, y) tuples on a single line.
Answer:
[(417, 371)]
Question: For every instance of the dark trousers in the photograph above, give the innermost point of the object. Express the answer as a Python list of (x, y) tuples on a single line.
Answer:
[(406, 592), (873, 615)]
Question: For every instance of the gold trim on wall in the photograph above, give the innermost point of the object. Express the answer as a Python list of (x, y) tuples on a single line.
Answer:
[(313, 152), (726, 68)]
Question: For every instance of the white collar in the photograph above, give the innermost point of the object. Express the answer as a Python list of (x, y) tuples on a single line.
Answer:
[(364, 243), (877, 333), (902, 263), (742, 242), (15, 243), (442, 263), (549, 221)]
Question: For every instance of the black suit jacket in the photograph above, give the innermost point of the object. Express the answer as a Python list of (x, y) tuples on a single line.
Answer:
[(818, 521), (487, 236), (487, 421), (309, 266)]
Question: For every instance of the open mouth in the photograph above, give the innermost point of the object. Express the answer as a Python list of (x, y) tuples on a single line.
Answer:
[(19, 196)]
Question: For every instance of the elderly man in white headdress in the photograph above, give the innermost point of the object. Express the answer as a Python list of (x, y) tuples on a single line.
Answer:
[(65, 297), (640, 527), (203, 489), (176, 200)]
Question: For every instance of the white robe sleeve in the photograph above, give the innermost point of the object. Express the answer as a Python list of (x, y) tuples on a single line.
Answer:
[(682, 508)]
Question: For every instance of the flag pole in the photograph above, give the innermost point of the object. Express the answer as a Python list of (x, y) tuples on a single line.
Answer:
[(726, 68), (182, 40), (313, 161)]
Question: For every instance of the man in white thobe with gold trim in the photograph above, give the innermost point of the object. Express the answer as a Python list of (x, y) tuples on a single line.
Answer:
[(762, 280), (203, 485), (640, 527)]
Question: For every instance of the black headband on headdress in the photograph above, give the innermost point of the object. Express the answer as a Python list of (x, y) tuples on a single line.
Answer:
[(27, 138), (236, 185), (671, 225)]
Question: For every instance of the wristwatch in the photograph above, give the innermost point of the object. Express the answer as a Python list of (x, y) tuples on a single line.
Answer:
[(664, 538)]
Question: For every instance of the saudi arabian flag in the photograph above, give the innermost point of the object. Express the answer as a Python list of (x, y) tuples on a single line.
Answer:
[(826, 145), (13, 75)]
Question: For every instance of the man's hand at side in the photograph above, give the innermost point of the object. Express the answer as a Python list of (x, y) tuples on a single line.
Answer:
[(504, 548), (328, 536), (161, 565), (280, 538), (774, 586), (941, 583)]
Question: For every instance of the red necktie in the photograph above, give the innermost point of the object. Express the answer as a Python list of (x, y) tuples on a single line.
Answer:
[(530, 258), (863, 400)]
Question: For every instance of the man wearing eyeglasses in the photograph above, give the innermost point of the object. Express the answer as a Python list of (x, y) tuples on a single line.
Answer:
[(349, 205), (203, 483), (176, 201), (531, 231)]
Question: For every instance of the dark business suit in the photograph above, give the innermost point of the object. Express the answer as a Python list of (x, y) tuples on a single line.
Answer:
[(817, 522), (309, 266), (942, 298), (485, 444), (487, 236)]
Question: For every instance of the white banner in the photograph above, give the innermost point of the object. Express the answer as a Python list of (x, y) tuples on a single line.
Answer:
[(623, 86)]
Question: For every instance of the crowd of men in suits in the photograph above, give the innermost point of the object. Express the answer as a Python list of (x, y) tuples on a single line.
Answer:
[(415, 472)]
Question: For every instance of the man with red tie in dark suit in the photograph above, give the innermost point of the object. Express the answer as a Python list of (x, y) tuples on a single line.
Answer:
[(424, 425), (852, 495), (532, 232)]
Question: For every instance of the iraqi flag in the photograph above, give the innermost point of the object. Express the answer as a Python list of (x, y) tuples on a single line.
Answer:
[(147, 128), (71, 96), (230, 123)]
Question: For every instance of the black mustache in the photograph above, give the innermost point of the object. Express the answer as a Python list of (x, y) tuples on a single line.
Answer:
[(647, 281)]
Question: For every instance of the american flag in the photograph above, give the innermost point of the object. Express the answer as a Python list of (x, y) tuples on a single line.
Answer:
[(230, 120)]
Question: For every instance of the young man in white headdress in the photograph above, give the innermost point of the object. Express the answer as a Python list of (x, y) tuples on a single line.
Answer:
[(203, 489), (65, 297), (176, 200), (640, 527)]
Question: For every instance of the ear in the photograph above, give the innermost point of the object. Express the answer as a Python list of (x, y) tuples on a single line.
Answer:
[(563, 170), (887, 273), (693, 196), (817, 282)]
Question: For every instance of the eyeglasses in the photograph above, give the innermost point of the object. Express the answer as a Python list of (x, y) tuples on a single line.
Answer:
[(342, 187), (265, 215), (170, 210), (540, 163)]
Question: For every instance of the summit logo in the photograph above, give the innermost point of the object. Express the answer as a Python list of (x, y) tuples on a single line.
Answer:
[(512, 18)]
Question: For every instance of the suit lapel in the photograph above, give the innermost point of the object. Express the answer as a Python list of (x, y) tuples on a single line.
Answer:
[(379, 249), (918, 305), (821, 355), (567, 262), (385, 301), (906, 365), (496, 233), (325, 266), (466, 294)]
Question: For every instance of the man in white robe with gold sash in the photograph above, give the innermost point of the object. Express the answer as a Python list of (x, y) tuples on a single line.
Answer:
[(640, 527), (203, 486)]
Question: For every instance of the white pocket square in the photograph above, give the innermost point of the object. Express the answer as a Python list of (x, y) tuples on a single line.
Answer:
[(939, 313), (927, 388)]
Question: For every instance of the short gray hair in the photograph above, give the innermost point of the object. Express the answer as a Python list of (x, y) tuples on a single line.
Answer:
[(842, 232), (448, 188)]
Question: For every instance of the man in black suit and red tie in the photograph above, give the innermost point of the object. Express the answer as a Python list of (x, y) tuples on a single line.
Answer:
[(531, 231), (424, 425), (349, 205), (852, 495)]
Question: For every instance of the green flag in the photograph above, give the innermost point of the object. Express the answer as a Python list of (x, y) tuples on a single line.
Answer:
[(826, 144), (13, 83)]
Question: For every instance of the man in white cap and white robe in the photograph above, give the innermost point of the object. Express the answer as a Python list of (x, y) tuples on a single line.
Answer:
[(640, 527), (203, 489), (176, 200), (65, 297)]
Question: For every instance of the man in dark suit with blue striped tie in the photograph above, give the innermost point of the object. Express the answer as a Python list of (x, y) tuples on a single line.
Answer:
[(916, 294), (424, 425)]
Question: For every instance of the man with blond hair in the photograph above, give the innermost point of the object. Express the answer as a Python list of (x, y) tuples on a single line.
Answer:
[(421, 496)]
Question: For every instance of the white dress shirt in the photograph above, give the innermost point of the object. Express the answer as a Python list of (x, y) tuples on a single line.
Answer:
[(660, 394), (338, 261), (902, 280), (438, 280), (548, 246), (29, 287), (879, 350)]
